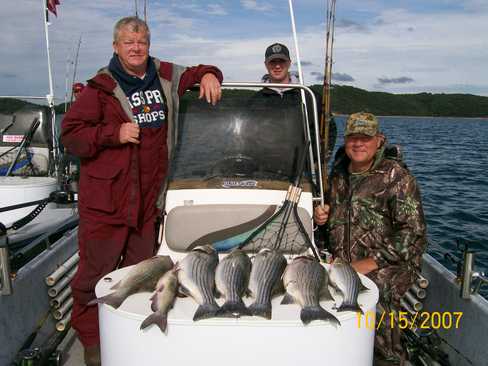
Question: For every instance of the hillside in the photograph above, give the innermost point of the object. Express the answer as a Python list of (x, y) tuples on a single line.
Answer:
[(348, 99), (9, 106)]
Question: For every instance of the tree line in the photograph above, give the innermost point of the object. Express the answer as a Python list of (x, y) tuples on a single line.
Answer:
[(348, 99)]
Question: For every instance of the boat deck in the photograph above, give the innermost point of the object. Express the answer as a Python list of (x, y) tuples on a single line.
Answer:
[(73, 355)]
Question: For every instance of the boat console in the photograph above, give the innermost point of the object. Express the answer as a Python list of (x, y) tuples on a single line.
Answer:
[(230, 172)]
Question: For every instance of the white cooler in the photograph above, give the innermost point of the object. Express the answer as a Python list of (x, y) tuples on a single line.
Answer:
[(247, 341)]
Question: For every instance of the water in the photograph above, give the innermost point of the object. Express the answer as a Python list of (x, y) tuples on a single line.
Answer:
[(449, 158)]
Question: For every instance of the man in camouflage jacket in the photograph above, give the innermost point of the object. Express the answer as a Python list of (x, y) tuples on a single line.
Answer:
[(376, 221)]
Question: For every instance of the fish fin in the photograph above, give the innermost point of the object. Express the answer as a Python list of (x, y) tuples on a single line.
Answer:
[(333, 285), (205, 311), (262, 310), (248, 293), (325, 294), (112, 299), (183, 292), (156, 318), (310, 313), (233, 309), (350, 307), (338, 291), (362, 287), (116, 286), (287, 299), (278, 289), (154, 303)]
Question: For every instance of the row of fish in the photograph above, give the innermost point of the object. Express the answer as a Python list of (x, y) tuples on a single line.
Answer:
[(201, 276)]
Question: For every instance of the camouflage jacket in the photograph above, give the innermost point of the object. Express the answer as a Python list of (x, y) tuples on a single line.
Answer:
[(378, 214)]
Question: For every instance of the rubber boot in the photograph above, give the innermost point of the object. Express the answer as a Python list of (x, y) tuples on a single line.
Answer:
[(92, 356)]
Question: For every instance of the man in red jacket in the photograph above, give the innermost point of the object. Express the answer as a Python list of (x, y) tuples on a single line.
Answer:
[(123, 128)]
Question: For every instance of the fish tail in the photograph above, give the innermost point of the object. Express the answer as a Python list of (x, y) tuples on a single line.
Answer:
[(205, 311), (233, 309), (159, 319), (311, 313), (350, 307), (111, 299), (262, 310)]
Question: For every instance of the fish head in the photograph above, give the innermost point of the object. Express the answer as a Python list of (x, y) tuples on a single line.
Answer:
[(208, 249)]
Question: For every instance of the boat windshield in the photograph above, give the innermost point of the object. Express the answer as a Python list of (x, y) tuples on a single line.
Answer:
[(247, 136)]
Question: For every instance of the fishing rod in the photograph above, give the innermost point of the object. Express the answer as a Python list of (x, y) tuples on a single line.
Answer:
[(304, 101), (75, 67), (326, 115), (144, 10)]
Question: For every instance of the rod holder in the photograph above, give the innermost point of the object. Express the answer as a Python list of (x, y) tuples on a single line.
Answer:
[(5, 281), (467, 274)]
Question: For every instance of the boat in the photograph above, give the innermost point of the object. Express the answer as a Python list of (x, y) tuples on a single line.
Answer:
[(38, 232), (240, 160), (231, 165), (243, 167), (231, 171)]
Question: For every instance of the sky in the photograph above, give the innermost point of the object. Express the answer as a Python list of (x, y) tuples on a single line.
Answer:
[(397, 46)]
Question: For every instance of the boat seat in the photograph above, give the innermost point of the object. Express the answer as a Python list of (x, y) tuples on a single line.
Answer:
[(224, 225)]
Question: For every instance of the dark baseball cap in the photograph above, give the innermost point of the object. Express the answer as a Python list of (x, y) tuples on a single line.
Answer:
[(277, 51)]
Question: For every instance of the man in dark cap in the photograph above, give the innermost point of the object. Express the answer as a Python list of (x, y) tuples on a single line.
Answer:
[(376, 222), (277, 62)]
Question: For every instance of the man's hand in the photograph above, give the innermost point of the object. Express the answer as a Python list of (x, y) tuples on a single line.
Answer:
[(321, 214), (210, 88), (129, 132)]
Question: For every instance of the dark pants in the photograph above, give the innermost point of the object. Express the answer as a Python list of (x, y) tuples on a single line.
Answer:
[(104, 248)]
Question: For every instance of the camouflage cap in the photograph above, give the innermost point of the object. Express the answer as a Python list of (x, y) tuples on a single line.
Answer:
[(362, 123)]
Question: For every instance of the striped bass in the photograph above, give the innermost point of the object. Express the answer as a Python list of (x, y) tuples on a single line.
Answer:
[(232, 279), (268, 266), (162, 300), (142, 277), (196, 276), (345, 278), (305, 282)]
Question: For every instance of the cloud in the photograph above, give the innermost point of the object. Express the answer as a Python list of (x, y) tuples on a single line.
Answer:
[(318, 76), (370, 41), (254, 5), (400, 80), (216, 9), (475, 5), (350, 25), (209, 9), (338, 76)]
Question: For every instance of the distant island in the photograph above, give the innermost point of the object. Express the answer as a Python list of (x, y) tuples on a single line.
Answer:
[(348, 99)]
